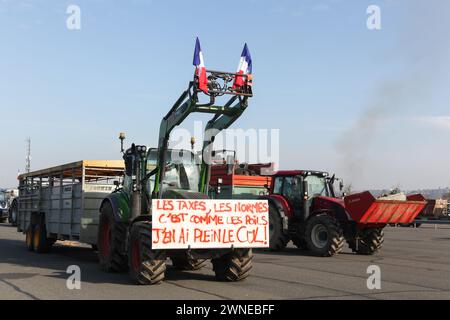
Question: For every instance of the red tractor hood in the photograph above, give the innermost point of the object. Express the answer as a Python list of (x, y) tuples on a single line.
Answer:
[(323, 199)]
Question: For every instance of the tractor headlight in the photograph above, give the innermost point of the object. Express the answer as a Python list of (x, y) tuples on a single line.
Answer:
[(141, 148)]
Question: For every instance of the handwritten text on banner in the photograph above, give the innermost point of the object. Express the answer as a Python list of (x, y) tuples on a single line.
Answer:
[(179, 224)]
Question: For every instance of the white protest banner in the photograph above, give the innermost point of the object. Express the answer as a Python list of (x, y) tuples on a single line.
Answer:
[(202, 224)]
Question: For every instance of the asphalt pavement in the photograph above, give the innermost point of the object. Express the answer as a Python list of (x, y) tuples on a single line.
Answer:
[(413, 264)]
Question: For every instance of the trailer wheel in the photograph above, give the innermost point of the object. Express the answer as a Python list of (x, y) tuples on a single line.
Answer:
[(111, 241), (368, 242), (13, 212), (29, 237), (41, 244), (233, 266), (147, 266), (278, 237), (186, 263), (324, 236)]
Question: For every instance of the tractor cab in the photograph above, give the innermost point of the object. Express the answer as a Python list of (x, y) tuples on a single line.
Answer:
[(181, 170), (302, 186)]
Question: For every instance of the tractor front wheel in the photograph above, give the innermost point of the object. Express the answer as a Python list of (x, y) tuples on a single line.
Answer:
[(233, 266), (324, 236), (111, 241), (368, 242), (278, 237), (146, 266)]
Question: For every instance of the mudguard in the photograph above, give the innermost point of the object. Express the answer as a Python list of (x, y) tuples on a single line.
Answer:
[(335, 206), (120, 205), (282, 206)]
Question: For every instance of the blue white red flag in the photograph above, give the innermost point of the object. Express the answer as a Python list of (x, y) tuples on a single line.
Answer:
[(200, 70), (245, 67)]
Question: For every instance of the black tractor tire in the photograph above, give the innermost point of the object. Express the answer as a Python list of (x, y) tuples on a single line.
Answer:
[(29, 236), (300, 242), (146, 266), (111, 241), (187, 263), (324, 236), (369, 242), (13, 213), (278, 237), (298, 237), (41, 244), (233, 266)]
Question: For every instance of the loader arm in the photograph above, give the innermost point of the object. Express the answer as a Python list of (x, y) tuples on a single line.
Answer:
[(224, 116)]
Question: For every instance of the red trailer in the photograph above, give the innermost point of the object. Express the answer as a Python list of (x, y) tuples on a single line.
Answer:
[(435, 209)]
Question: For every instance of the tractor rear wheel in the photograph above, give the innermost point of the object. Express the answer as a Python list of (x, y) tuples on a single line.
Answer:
[(187, 263), (111, 241), (368, 242), (147, 266), (278, 237), (233, 266), (324, 236)]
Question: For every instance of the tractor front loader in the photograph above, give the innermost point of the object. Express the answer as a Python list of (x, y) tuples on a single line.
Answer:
[(304, 208), (125, 227)]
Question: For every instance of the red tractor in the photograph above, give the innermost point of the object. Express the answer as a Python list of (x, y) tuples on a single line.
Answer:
[(305, 209)]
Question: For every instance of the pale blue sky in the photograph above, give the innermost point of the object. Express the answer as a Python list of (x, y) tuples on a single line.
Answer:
[(372, 106)]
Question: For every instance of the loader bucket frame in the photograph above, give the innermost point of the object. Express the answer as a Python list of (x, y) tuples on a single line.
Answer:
[(224, 115)]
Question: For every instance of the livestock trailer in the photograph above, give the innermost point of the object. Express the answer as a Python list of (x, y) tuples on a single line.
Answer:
[(66, 199)]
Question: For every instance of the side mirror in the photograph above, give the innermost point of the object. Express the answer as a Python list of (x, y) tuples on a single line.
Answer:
[(341, 185), (129, 165)]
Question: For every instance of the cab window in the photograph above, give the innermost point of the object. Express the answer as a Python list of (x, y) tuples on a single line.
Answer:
[(278, 183)]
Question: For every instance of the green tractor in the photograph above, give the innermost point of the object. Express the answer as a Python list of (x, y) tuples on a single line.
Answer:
[(125, 224)]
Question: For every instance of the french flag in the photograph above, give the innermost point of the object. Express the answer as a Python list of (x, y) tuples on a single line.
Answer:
[(200, 70), (245, 67)]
